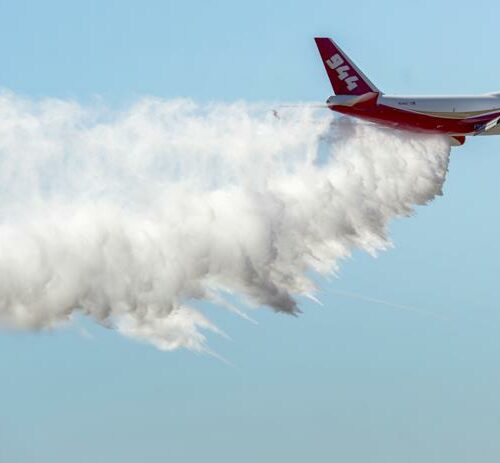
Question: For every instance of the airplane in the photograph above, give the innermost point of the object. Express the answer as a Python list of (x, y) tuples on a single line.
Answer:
[(455, 116)]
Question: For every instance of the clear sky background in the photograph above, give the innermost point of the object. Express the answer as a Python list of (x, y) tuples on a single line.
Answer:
[(351, 381)]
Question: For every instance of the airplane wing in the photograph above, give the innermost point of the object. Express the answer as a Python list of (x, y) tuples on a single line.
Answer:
[(487, 125)]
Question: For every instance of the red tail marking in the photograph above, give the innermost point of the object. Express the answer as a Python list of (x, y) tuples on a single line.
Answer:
[(345, 77)]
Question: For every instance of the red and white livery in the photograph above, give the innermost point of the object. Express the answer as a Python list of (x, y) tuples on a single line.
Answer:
[(355, 95)]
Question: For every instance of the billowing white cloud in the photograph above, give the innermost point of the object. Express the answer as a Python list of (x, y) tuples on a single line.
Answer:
[(128, 216)]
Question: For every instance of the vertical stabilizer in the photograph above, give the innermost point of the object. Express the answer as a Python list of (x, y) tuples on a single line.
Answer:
[(345, 77)]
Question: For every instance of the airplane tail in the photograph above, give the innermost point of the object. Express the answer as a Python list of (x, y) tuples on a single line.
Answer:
[(345, 77)]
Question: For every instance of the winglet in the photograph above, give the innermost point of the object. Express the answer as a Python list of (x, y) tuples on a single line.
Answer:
[(345, 77)]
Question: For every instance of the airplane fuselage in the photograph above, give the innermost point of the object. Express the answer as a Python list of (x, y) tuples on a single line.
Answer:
[(451, 115), (454, 116)]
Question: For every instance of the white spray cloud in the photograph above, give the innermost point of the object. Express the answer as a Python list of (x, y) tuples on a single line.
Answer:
[(128, 216)]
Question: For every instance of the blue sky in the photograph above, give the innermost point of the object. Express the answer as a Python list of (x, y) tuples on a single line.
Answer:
[(350, 381)]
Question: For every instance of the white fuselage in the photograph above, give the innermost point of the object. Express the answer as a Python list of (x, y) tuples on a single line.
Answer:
[(459, 106), (450, 107)]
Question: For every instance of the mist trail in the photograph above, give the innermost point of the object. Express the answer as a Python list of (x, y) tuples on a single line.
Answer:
[(128, 216)]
